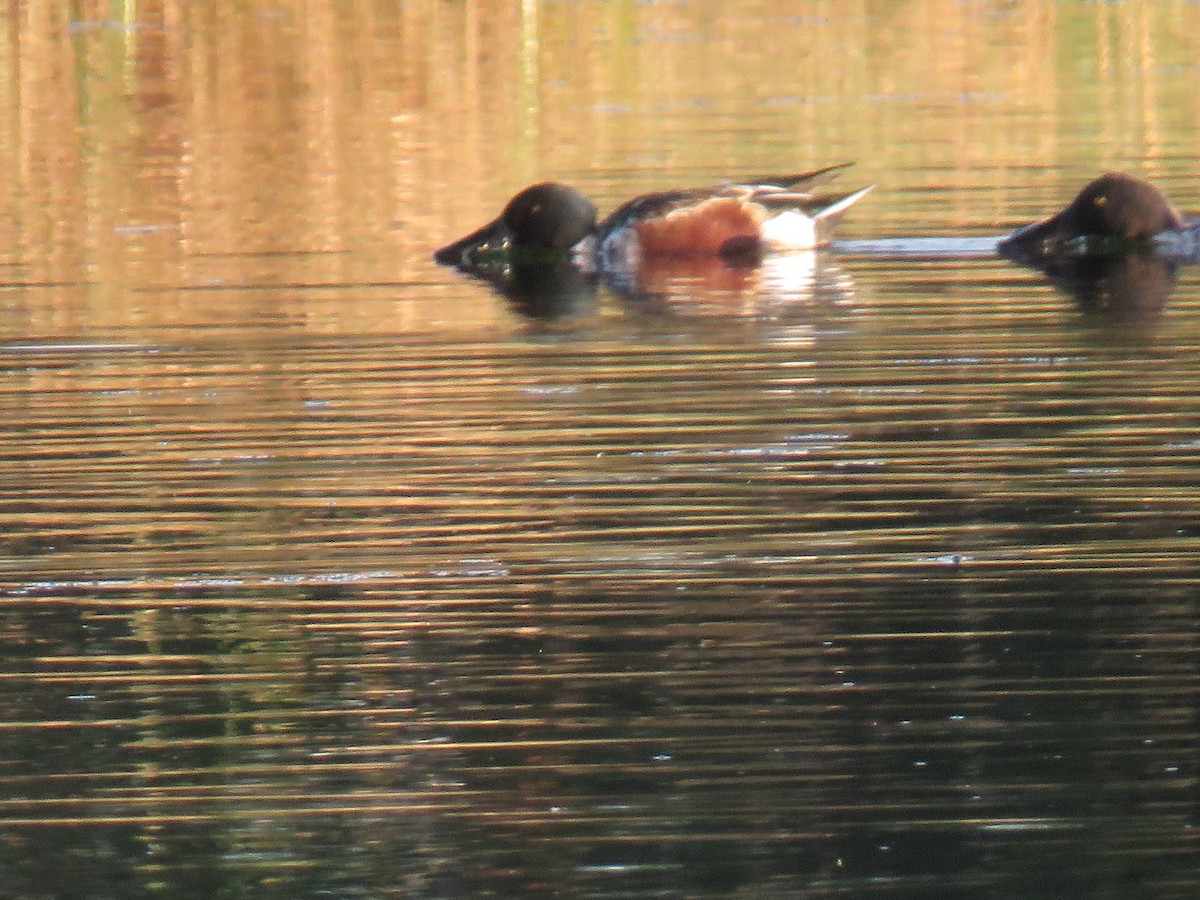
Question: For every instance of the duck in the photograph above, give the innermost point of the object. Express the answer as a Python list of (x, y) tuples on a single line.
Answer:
[(1112, 214), (740, 220)]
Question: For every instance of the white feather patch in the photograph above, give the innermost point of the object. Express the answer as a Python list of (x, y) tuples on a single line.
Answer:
[(790, 230)]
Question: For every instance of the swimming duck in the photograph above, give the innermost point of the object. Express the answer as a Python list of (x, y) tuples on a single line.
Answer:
[(1112, 214), (724, 220)]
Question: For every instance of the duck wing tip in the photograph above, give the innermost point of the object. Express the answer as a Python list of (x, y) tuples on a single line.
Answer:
[(839, 205)]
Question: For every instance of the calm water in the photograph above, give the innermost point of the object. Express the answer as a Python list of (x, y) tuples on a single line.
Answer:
[(328, 572)]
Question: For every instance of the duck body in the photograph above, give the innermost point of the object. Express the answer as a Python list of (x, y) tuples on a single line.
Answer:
[(728, 220)]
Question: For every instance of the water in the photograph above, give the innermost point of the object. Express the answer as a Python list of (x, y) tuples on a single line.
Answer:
[(329, 572)]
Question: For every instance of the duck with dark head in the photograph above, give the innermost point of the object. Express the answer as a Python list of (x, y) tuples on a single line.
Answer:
[(728, 220), (1114, 214), (1104, 248)]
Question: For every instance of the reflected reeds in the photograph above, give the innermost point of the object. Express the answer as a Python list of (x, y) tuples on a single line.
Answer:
[(139, 146)]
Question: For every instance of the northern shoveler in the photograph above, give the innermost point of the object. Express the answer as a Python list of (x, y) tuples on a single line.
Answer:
[(1111, 214), (726, 220)]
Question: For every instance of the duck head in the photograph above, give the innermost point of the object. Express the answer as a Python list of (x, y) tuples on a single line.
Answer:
[(543, 221), (1111, 215)]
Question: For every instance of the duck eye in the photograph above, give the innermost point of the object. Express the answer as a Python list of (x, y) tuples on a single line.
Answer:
[(1100, 201)]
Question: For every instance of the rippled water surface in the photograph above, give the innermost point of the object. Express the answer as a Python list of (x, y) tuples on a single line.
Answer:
[(325, 571)]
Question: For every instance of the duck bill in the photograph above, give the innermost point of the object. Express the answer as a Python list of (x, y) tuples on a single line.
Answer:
[(467, 251), (1033, 241)]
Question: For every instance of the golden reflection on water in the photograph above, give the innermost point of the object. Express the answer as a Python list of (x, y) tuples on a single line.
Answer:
[(325, 572), (370, 133)]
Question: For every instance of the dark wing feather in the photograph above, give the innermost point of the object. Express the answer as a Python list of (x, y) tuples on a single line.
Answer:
[(647, 206), (774, 191), (801, 182)]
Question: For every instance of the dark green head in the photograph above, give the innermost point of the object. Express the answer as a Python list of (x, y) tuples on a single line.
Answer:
[(544, 220), (1112, 213), (549, 215)]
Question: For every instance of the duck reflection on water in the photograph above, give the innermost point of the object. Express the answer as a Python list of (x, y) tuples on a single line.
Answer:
[(1115, 248), (547, 290), (768, 286), (1130, 285), (773, 286)]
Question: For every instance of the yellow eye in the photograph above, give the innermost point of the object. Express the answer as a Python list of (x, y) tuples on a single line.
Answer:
[(1101, 200)]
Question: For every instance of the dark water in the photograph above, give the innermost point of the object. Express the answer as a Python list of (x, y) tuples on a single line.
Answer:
[(884, 599), (325, 572)]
